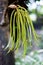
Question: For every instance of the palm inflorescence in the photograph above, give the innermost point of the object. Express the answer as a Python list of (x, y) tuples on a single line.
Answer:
[(21, 29)]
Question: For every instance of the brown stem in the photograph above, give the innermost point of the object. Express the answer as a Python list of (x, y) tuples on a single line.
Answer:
[(12, 6)]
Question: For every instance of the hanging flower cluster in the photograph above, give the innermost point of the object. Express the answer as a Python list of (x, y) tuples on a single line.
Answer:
[(21, 29)]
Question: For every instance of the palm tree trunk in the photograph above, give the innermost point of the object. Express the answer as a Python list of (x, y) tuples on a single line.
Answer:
[(5, 59)]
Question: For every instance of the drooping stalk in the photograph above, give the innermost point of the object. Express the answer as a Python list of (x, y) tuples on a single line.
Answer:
[(24, 27)]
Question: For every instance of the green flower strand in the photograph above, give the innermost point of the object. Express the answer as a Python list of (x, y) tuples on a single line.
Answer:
[(24, 27)]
